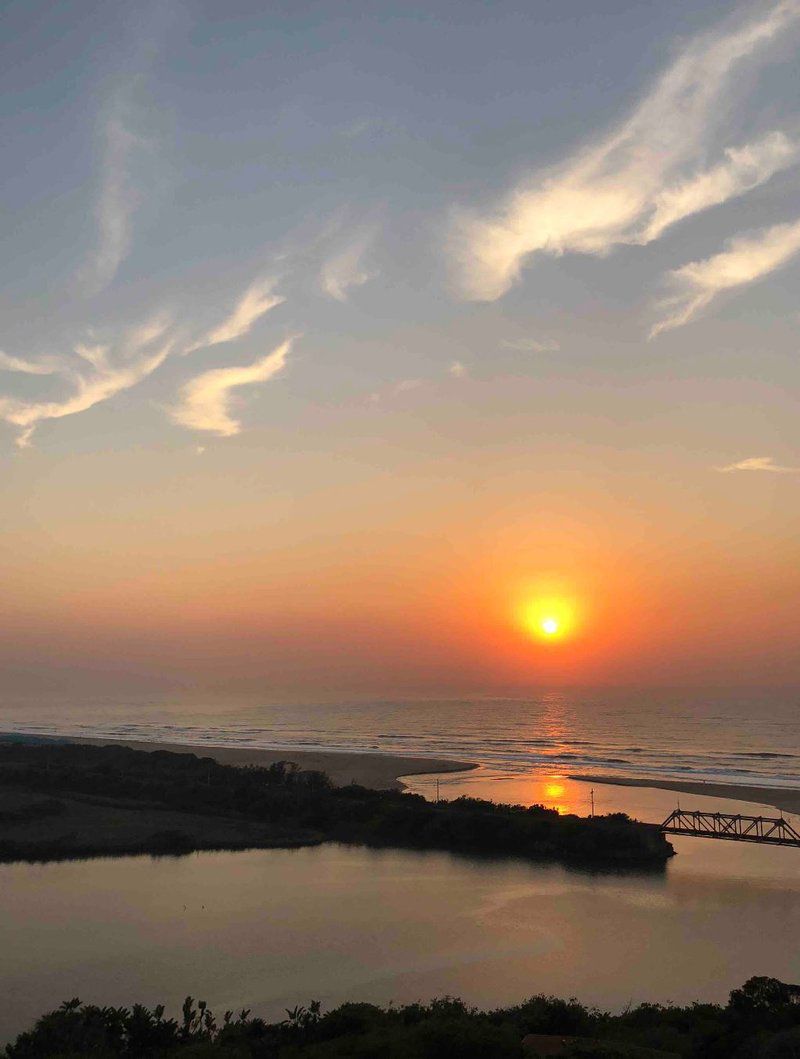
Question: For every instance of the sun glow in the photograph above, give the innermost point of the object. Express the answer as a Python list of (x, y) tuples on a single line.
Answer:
[(549, 619), (554, 790)]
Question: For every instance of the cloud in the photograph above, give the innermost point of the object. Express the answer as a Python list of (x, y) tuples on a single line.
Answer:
[(406, 385), (745, 260), (532, 345), (205, 401), (455, 369), (744, 168), (641, 178), (29, 367), (136, 359), (121, 148), (117, 199), (256, 301), (758, 463), (340, 273)]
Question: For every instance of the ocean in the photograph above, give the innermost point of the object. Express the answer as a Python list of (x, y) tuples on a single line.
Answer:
[(723, 736)]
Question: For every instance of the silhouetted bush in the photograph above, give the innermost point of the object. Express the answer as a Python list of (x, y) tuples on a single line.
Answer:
[(443, 1028)]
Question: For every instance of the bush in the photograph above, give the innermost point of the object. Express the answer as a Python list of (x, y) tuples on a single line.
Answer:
[(761, 1021)]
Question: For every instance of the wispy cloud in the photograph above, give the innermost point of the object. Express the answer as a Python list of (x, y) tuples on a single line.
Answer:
[(745, 260), (123, 146), (256, 301), (641, 178), (406, 385), (117, 198), (29, 367), (112, 369), (97, 370), (456, 369), (205, 401), (758, 463), (345, 269), (743, 169), (396, 389), (532, 345)]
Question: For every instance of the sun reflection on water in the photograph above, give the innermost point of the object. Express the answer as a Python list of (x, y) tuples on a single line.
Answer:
[(554, 792)]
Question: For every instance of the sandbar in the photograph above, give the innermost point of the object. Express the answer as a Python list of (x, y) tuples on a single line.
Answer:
[(378, 771), (786, 799)]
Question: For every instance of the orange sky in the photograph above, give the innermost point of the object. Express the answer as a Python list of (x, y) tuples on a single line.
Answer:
[(404, 582)]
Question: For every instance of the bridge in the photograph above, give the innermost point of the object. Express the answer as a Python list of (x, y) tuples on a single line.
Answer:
[(768, 830)]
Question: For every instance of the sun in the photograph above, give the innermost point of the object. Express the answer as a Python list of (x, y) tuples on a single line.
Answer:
[(551, 619)]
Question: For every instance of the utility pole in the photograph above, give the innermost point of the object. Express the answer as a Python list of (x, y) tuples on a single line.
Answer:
[(591, 794), (437, 791)]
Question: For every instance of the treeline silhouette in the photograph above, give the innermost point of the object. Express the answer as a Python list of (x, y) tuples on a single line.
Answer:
[(760, 1021), (304, 807)]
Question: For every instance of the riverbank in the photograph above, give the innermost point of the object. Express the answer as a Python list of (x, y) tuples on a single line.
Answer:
[(380, 772), (786, 800), (56, 797)]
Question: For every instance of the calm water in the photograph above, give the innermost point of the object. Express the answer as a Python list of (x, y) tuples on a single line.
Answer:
[(270, 929), (728, 736)]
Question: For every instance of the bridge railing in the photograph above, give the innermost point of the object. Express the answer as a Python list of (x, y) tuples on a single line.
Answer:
[(770, 830)]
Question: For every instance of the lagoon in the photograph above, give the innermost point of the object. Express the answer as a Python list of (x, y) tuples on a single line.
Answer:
[(272, 928)]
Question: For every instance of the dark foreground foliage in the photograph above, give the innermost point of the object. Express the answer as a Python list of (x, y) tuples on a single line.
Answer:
[(760, 1021), (287, 801)]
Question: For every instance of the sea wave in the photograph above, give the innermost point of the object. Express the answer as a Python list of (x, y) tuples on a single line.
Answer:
[(558, 734)]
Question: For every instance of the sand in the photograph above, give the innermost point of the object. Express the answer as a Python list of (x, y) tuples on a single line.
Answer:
[(379, 771), (382, 771), (787, 799)]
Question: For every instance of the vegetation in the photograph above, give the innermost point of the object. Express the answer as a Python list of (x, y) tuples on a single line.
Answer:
[(760, 1021), (279, 805)]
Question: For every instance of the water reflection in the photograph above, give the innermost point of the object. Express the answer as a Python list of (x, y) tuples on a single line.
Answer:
[(270, 929), (554, 792), (558, 791), (704, 857), (551, 789)]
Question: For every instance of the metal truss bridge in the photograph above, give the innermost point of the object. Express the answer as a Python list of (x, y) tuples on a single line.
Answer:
[(768, 830)]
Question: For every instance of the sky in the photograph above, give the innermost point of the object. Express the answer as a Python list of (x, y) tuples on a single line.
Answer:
[(336, 337)]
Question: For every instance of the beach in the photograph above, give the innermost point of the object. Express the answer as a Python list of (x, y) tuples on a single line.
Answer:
[(787, 800), (383, 771), (379, 771)]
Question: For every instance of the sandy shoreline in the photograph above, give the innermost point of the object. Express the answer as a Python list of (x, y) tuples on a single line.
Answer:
[(379, 771), (383, 771), (787, 800)]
